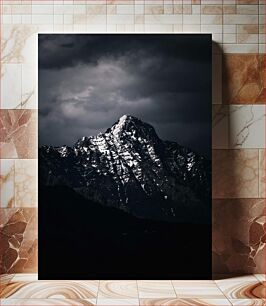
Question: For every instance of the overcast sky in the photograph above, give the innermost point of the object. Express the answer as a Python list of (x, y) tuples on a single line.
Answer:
[(86, 82)]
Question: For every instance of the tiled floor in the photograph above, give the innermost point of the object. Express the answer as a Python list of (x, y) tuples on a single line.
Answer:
[(25, 289)]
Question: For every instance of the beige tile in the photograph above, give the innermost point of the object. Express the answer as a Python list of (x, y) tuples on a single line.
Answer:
[(262, 28), (21, 9), (240, 19), (247, 126), (211, 9), (262, 49), (247, 9), (59, 19), (125, 28), (68, 28), (163, 19), (184, 302), (229, 38), (68, 19), (18, 134), (191, 19), (120, 19), (5, 279), (25, 277), (155, 289), (118, 289), (178, 9), (140, 28), (211, 19), (42, 9), (154, 9), (242, 287), (51, 290), (58, 9), (6, 19), (120, 1), (79, 9), (139, 19), (139, 8), (247, 38), (262, 9), (18, 43), (111, 9), (77, 19), (229, 9), (262, 38), (10, 85), (111, 28), (117, 302), (178, 28), (159, 302), (248, 29), (59, 28), (96, 27), (248, 302), (79, 28), (16, 19), (211, 28), (216, 2), (26, 19), (262, 170), (235, 173), (96, 9), (197, 289), (187, 9), (125, 9), (229, 29), (247, 2), (191, 28), (240, 48), (6, 9), (7, 183), (26, 183), (48, 302), (195, 9), (97, 20), (69, 8), (42, 19)]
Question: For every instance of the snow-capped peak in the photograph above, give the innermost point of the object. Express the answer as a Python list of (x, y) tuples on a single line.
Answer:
[(120, 124)]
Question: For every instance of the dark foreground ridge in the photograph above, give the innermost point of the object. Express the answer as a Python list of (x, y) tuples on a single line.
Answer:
[(80, 239)]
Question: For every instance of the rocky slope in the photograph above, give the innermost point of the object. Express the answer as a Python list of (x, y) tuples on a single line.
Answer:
[(129, 167)]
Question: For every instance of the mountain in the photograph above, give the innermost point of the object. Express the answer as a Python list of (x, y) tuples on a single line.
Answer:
[(129, 167)]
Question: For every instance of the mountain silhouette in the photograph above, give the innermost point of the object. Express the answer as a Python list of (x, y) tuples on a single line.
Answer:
[(130, 168)]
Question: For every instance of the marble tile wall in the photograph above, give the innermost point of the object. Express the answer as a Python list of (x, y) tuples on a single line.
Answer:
[(238, 29)]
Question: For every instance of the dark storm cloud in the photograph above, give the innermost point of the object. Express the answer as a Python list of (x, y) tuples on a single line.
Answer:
[(86, 82), (58, 51)]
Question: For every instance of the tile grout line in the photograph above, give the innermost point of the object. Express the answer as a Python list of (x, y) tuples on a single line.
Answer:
[(174, 289), (221, 290), (138, 291), (97, 292)]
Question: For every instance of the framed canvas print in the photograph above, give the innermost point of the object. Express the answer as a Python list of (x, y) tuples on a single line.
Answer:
[(124, 156)]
